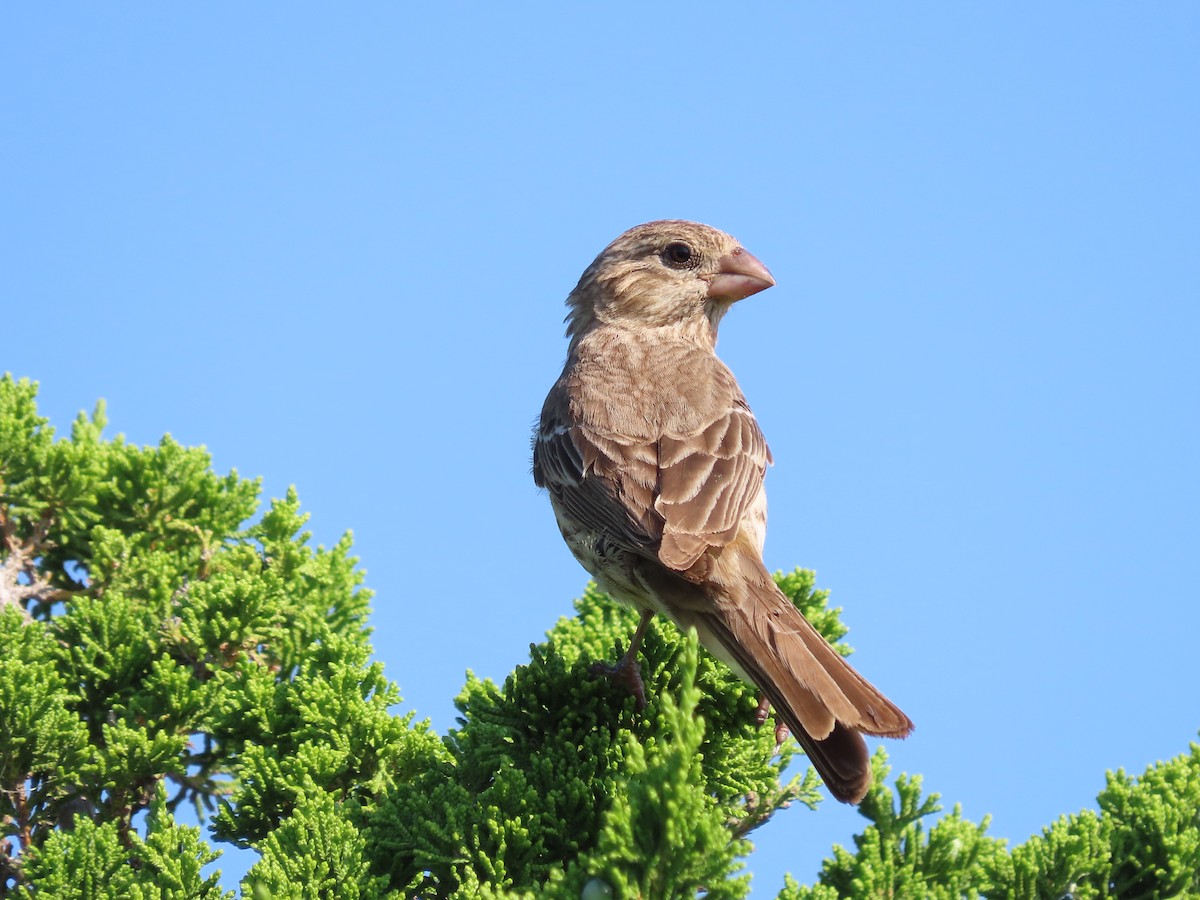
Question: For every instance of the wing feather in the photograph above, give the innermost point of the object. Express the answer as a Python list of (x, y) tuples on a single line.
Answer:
[(675, 494), (708, 482), (605, 483)]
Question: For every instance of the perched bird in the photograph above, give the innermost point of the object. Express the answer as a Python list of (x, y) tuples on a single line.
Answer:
[(654, 465)]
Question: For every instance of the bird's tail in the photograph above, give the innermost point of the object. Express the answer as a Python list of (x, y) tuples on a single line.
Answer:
[(825, 703)]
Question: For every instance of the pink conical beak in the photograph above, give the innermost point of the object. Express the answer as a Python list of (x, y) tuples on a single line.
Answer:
[(740, 275)]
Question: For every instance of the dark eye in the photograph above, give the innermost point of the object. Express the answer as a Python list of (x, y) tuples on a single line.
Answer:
[(677, 254)]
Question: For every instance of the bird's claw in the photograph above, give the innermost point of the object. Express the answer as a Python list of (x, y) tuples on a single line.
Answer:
[(782, 733), (626, 674), (763, 711)]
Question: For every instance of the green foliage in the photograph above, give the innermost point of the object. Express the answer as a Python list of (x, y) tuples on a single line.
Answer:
[(317, 851), (553, 782), (895, 856), (1155, 823), (1144, 843), (97, 861), (664, 834), (158, 646), (1071, 856)]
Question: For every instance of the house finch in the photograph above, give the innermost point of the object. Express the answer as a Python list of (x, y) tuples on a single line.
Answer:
[(654, 465)]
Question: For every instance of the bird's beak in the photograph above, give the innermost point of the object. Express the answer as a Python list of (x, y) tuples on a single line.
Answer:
[(738, 276)]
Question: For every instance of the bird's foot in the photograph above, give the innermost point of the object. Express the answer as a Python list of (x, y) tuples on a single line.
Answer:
[(626, 674), (760, 719)]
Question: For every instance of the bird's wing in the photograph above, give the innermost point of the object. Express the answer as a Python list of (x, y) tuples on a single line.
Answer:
[(602, 481), (675, 496), (707, 483)]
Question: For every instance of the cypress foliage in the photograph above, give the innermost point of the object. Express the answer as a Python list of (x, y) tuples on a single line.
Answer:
[(160, 646)]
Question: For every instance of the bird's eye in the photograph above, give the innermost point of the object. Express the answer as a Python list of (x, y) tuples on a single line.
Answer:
[(677, 255)]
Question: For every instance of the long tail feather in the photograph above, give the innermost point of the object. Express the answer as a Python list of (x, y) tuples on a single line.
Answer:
[(827, 705)]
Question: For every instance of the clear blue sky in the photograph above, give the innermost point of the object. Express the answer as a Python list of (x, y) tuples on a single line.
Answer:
[(332, 244)]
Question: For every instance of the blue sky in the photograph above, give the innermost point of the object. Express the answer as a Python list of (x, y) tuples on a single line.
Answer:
[(332, 246)]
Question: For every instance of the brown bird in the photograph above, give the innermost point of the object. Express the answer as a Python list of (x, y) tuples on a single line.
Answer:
[(654, 465)]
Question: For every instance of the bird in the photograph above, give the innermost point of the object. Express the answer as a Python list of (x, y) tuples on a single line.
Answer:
[(654, 465)]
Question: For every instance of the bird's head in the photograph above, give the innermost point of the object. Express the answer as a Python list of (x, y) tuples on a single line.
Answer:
[(666, 273)]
